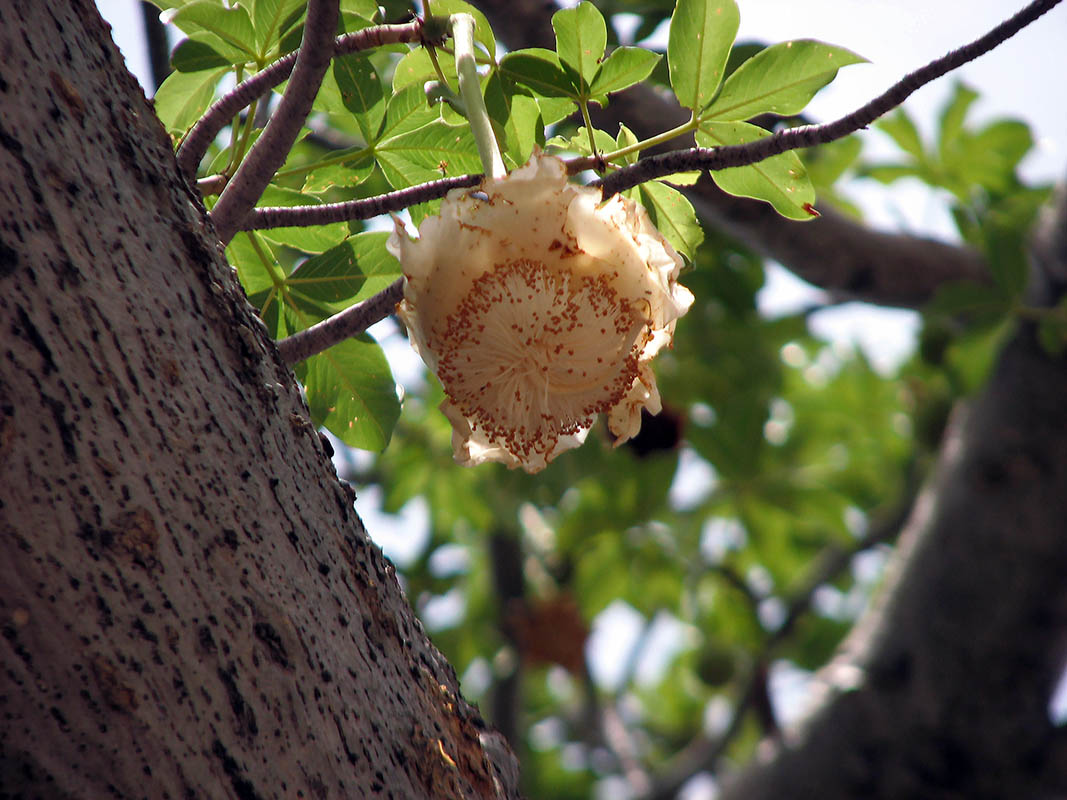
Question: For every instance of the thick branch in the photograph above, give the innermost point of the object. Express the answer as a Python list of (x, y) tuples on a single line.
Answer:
[(272, 147), (203, 133)]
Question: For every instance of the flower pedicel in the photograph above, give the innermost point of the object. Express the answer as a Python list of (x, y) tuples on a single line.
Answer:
[(539, 307)]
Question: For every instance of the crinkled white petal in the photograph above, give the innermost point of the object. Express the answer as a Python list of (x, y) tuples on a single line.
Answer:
[(538, 308)]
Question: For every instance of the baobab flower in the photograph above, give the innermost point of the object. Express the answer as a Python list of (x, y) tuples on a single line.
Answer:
[(538, 307)]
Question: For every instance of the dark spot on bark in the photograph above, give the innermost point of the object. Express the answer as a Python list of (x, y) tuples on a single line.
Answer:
[(246, 717), (206, 640), (66, 433), (266, 633), (143, 632), (324, 569), (57, 715), (9, 142), (9, 259), (326, 446), (107, 619), (242, 787), (352, 757), (229, 536), (195, 248), (29, 332)]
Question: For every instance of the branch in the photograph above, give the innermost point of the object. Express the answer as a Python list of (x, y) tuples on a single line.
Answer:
[(716, 158), (350, 322), (306, 216), (945, 262), (272, 147), (203, 133)]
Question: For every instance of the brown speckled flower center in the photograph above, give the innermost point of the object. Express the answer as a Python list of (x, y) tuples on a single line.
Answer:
[(532, 354)]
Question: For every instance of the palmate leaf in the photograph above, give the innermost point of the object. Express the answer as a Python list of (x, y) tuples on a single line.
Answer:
[(702, 32), (780, 79), (780, 180), (232, 25), (351, 392)]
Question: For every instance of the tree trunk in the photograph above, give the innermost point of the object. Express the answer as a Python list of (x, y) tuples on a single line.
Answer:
[(189, 605)]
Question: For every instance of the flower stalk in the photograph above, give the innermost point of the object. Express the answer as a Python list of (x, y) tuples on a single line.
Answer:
[(471, 92)]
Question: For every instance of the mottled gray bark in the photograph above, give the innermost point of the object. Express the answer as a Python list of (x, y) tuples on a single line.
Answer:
[(189, 606)]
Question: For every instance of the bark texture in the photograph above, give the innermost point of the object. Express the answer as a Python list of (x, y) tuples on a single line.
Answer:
[(942, 691), (189, 605)]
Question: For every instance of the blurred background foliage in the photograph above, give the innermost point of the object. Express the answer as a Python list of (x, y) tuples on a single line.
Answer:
[(722, 555), (632, 616)]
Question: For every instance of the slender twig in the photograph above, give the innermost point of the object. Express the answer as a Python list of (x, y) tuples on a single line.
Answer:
[(350, 322), (677, 161), (716, 158), (203, 133), (270, 150), (305, 216)]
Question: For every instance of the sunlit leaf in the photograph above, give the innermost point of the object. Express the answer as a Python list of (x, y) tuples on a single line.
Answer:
[(780, 180), (581, 35), (780, 79), (702, 32)]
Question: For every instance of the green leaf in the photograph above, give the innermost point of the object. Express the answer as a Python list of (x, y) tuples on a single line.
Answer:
[(315, 239), (231, 25), (246, 253), (539, 70), (268, 17), (581, 36), (901, 129), (184, 97), (416, 68), (337, 277), (195, 55), (780, 180), (408, 110), (361, 92), (623, 68), (702, 32), (952, 118), (345, 173), (431, 152), (351, 392), (780, 79), (673, 216), (516, 119)]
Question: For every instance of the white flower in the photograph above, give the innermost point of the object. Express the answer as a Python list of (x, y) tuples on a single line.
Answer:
[(539, 307)]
